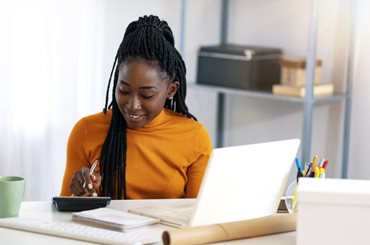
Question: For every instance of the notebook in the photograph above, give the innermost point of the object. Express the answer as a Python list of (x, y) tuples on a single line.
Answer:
[(240, 183), (112, 219)]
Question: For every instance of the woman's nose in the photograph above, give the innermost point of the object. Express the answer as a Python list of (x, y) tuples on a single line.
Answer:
[(134, 103)]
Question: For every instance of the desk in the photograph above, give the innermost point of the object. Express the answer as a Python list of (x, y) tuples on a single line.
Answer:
[(44, 209)]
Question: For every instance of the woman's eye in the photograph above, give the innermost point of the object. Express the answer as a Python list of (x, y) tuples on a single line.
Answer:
[(147, 96), (124, 91)]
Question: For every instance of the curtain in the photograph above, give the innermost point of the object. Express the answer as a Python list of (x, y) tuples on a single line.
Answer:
[(51, 55)]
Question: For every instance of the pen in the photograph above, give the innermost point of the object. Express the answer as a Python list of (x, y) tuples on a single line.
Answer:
[(313, 166), (325, 164), (308, 172), (92, 169), (314, 163), (299, 166), (317, 172), (321, 163), (306, 168), (322, 173)]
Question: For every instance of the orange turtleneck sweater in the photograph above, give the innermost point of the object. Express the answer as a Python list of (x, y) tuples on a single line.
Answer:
[(165, 159)]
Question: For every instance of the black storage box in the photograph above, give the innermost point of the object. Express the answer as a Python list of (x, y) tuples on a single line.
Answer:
[(243, 67)]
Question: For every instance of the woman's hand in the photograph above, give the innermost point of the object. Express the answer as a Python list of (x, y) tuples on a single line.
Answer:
[(84, 184)]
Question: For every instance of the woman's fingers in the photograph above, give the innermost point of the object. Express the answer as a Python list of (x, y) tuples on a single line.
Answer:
[(78, 185), (96, 182), (84, 184), (87, 183)]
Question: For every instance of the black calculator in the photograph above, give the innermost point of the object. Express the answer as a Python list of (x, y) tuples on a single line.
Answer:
[(75, 204)]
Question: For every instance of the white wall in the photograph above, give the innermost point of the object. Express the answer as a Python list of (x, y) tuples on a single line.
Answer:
[(202, 28), (359, 167)]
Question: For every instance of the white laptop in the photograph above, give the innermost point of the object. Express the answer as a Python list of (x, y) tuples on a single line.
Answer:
[(240, 183)]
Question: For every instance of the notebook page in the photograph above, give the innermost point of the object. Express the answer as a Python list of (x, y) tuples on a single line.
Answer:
[(113, 219)]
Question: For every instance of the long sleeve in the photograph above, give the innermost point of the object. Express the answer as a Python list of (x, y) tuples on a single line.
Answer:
[(76, 155), (197, 169), (84, 145)]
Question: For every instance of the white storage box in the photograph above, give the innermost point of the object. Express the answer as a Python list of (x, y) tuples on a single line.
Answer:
[(333, 211)]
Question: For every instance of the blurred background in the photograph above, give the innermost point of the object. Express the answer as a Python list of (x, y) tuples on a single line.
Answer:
[(56, 56)]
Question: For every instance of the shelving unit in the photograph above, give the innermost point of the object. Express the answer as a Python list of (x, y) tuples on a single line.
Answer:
[(308, 102)]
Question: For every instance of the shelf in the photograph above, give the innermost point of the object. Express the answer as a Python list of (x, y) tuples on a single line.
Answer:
[(307, 102), (268, 95)]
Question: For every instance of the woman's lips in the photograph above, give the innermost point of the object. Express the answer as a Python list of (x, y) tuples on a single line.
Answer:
[(134, 117)]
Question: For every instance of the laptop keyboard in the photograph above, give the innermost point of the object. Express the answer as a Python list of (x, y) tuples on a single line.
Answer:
[(83, 232)]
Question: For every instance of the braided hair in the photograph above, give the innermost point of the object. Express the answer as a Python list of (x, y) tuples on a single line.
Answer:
[(152, 39)]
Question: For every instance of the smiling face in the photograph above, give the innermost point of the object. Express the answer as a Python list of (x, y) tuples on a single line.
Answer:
[(141, 91)]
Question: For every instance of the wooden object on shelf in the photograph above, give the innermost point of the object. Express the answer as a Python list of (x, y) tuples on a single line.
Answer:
[(293, 71), (323, 89)]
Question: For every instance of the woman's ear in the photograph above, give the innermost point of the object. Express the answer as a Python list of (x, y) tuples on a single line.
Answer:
[(172, 89)]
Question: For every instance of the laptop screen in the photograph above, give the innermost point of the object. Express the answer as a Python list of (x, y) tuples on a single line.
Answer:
[(244, 182)]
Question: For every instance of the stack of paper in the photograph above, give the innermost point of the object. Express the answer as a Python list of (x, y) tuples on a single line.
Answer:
[(112, 219)]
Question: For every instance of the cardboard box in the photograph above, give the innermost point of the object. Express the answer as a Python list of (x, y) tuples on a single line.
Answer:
[(333, 211), (293, 71), (242, 67)]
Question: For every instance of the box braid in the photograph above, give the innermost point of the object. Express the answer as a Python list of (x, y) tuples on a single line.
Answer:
[(152, 39)]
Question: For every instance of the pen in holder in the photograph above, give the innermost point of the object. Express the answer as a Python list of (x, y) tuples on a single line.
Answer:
[(309, 170)]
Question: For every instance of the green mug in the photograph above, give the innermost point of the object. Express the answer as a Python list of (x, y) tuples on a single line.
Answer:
[(11, 195)]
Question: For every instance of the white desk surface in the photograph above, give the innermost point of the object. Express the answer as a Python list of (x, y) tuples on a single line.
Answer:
[(44, 209)]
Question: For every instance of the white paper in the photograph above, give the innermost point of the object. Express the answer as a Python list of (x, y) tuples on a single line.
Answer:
[(112, 219)]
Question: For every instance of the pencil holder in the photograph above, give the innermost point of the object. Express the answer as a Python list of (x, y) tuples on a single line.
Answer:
[(310, 170), (291, 197)]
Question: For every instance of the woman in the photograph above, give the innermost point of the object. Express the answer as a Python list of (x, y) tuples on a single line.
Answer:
[(147, 142)]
